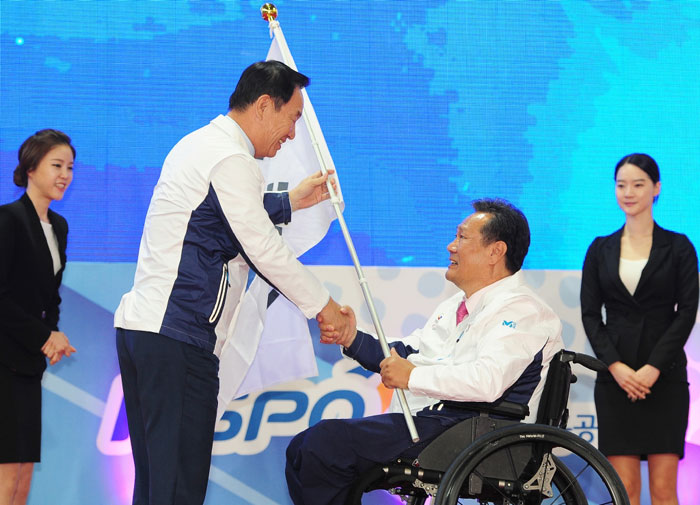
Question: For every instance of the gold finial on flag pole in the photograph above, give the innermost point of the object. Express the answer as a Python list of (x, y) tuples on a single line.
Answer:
[(268, 12)]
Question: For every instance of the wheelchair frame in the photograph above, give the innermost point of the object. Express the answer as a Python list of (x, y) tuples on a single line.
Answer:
[(501, 460)]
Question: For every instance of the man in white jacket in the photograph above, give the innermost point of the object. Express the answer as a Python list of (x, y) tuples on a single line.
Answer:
[(208, 223), (491, 342)]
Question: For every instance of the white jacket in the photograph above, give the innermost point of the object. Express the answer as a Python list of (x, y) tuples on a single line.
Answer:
[(501, 350), (207, 224)]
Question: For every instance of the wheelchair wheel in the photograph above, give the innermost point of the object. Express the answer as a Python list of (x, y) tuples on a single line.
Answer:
[(395, 482), (559, 467), (565, 487), (564, 484)]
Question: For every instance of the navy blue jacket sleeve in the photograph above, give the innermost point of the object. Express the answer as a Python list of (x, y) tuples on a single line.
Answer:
[(368, 353), (278, 207)]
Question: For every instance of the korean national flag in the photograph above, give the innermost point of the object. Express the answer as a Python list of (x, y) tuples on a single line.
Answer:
[(265, 339)]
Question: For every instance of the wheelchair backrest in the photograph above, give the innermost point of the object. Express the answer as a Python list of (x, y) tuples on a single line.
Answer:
[(553, 409)]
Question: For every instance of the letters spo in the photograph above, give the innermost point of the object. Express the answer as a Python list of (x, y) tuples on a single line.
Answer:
[(250, 422)]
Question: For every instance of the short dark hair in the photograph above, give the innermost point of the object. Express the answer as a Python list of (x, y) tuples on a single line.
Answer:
[(33, 150), (272, 78), (508, 224)]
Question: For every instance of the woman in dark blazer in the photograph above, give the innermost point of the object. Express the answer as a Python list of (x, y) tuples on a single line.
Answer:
[(646, 280), (32, 259)]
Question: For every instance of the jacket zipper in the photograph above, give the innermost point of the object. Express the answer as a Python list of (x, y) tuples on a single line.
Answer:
[(221, 295)]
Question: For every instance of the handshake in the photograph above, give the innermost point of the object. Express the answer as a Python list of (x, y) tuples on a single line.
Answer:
[(337, 324)]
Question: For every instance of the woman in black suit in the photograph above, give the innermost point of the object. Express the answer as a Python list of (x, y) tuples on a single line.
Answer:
[(646, 279), (32, 259)]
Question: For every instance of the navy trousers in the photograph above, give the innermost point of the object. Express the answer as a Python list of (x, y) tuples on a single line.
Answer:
[(324, 460), (170, 393)]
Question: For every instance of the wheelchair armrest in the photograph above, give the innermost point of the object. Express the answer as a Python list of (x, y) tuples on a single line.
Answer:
[(590, 362), (506, 409), (582, 359)]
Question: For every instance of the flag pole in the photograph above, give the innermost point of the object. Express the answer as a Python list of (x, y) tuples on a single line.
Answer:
[(269, 14)]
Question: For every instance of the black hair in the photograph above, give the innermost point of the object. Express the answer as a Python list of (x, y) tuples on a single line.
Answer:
[(272, 78), (33, 150), (644, 162), (508, 224)]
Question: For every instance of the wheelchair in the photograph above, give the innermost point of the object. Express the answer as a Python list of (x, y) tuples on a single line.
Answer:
[(494, 458)]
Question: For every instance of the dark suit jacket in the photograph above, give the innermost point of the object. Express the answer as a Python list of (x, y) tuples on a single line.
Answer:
[(651, 326), (29, 296)]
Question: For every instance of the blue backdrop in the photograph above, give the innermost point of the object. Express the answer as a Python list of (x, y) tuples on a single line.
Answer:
[(424, 108), (424, 105)]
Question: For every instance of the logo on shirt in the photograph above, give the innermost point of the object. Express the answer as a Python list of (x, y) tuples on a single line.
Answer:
[(509, 324)]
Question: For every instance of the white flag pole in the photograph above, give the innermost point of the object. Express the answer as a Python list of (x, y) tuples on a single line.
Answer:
[(269, 14)]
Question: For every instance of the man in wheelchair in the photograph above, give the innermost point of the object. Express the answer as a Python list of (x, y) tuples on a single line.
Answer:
[(490, 343)]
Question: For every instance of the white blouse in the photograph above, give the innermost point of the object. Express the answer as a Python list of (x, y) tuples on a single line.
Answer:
[(52, 241), (631, 272)]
